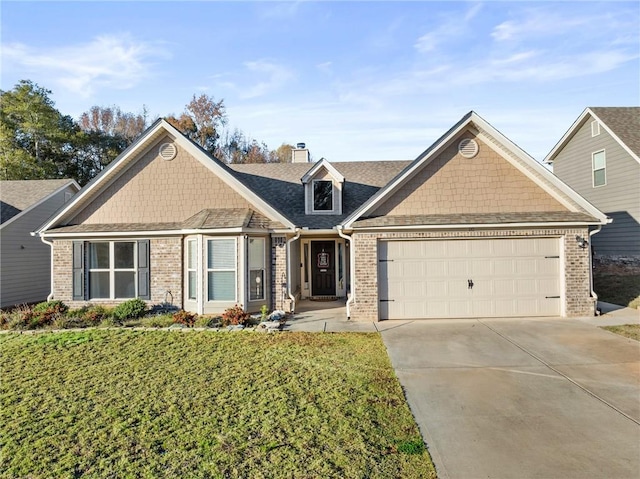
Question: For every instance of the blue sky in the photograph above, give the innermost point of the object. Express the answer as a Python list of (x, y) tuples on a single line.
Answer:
[(354, 80)]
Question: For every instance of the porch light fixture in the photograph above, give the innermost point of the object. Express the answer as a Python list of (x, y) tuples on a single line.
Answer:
[(582, 242)]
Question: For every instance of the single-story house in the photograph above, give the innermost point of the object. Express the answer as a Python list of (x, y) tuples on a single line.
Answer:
[(473, 227), (25, 262), (599, 157)]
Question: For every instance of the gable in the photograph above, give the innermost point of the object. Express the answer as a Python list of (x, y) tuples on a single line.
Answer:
[(451, 184), (156, 190)]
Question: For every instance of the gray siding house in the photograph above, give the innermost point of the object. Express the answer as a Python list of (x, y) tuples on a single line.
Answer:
[(25, 262), (599, 157)]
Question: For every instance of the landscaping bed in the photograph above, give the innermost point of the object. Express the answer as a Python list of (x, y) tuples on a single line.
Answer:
[(122, 403)]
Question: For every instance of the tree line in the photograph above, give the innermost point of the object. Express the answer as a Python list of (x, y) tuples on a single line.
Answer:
[(39, 142)]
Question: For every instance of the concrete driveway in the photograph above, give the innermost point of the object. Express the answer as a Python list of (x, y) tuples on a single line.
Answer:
[(543, 398)]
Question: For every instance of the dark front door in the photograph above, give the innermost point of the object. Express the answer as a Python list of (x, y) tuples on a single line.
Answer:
[(323, 268)]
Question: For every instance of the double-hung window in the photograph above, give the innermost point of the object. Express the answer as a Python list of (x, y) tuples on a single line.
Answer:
[(256, 268), (221, 269), (599, 163), (112, 270), (192, 269)]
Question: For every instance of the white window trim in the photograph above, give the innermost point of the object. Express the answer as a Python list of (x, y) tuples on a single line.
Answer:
[(593, 168), (194, 269), (263, 269), (207, 270), (112, 270), (313, 197), (595, 128)]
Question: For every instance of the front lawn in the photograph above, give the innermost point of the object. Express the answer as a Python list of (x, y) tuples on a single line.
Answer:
[(121, 403), (627, 330)]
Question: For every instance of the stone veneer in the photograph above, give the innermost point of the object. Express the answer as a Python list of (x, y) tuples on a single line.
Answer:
[(577, 288), (165, 265)]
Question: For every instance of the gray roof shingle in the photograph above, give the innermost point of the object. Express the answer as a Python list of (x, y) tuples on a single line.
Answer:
[(624, 122), (18, 195), (476, 218), (279, 185)]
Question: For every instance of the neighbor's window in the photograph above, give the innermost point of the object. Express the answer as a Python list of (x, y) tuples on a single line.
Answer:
[(192, 268), (599, 169), (221, 269), (322, 195), (256, 268), (112, 271), (595, 128)]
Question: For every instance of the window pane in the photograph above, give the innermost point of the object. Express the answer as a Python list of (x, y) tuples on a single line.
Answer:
[(222, 286), (192, 285), (256, 253), (256, 284), (123, 255), (598, 160), (191, 254), (599, 178), (99, 285), (340, 274), (323, 195), (99, 255), (125, 284), (221, 254)]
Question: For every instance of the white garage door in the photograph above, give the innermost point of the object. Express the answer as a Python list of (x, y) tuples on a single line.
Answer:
[(469, 278)]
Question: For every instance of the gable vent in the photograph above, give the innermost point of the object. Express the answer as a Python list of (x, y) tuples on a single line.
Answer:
[(468, 148), (168, 151)]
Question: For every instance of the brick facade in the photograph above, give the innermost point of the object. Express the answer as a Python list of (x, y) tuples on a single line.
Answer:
[(165, 266), (576, 263), (279, 272)]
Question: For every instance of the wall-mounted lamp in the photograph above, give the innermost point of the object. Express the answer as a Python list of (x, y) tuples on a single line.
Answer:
[(582, 242)]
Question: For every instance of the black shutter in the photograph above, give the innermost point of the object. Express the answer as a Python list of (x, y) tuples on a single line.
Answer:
[(78, 271), (144, 279)]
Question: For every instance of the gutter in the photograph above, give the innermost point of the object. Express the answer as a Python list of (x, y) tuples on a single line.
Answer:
[(291, 297), (592, 292), (50, 296), (352, 270)]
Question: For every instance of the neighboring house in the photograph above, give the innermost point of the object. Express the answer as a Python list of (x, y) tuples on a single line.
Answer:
[(474, 227), (599, 157), (25, 262)]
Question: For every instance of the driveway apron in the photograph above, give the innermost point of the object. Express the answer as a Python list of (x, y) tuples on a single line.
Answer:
[(521, 398)]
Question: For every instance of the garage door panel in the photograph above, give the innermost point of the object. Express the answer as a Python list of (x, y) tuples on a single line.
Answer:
[(429, 279)]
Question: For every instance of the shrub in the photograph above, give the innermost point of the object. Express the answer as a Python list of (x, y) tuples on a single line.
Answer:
[(133, 308), (43, 314), (157, 321), (264, 312), (18, 318), (185, 317), (207, 321), (235, 315)]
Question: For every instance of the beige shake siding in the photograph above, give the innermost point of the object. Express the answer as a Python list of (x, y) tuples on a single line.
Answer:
[(453, 184), (155, 190)]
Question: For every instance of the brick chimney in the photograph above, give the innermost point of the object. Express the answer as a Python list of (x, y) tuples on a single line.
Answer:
[(300, 154)]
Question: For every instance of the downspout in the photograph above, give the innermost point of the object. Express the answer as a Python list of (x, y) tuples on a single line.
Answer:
[(593, 293), (291, 297), (352, 270), (50, 297)]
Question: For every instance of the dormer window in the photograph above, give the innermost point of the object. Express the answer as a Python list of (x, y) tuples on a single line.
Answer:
[(322, 195), (323, 186)]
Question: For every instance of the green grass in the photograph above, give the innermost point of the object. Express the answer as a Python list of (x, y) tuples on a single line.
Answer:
[(627, 330), (121, 403)]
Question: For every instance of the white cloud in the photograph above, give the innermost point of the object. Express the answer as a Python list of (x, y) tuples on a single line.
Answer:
[(109, 61), (270, 77), (452, 25)]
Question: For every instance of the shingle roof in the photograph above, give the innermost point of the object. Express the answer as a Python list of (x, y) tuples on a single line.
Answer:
[(205, 219), (279, 184), (18, 195), (624, 122), (476, 218)]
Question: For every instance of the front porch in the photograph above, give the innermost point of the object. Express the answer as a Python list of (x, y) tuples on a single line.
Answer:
[(325, 316)]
